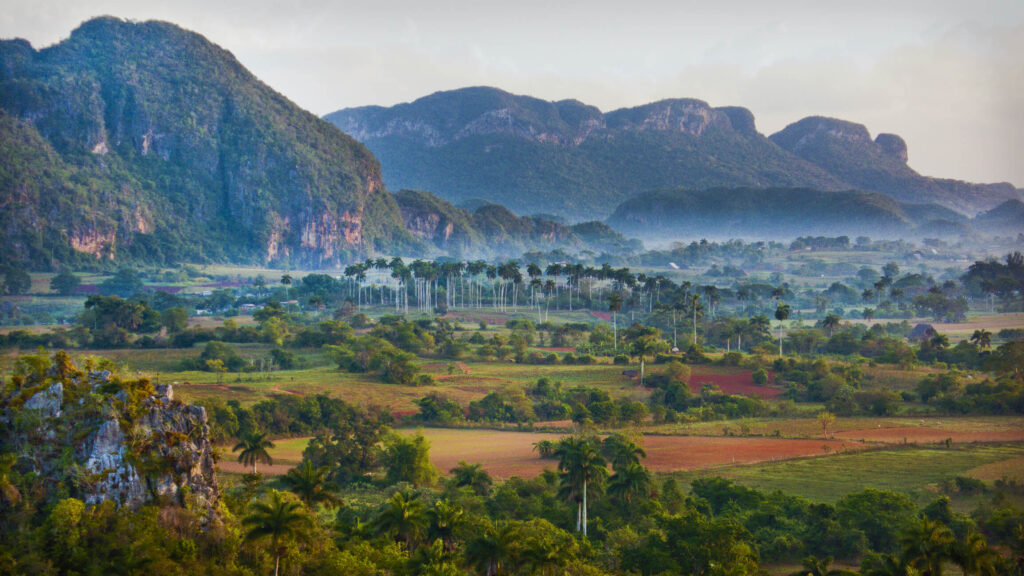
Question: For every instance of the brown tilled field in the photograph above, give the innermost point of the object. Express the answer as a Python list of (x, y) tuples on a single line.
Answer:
[(736, 383), (506, 454)]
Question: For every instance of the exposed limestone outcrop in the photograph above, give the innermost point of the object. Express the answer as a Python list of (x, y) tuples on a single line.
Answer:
[(47, 403), (131, 443)]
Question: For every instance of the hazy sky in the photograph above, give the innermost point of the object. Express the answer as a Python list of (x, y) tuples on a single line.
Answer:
[(947, 75)]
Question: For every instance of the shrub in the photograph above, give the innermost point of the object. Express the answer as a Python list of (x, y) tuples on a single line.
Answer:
[(760, 377), (620, 359)]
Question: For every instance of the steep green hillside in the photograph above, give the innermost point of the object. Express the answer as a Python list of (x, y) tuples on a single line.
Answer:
[(146, 141), (767, 213)]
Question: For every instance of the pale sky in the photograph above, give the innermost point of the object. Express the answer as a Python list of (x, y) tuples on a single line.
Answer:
[(947, 75)]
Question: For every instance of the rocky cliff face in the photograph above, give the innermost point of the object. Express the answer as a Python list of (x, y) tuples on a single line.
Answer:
[(567, 158), (128, 442), (447, 117), (846, 150), (172, 149), (571, 160)]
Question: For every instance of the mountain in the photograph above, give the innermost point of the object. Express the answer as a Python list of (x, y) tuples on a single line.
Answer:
[(491, 230), (146, 141), (570, 159), (1007, 218), (847, 151), (774, 213), (565, 157)]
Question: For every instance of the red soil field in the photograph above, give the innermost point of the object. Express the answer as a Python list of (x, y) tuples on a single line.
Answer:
[(739, 383), (506, 454)]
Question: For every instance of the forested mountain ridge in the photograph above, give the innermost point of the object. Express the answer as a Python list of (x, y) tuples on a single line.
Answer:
[(146, 141), (565, 157), (568, 158), (492, 230), (774, 213)]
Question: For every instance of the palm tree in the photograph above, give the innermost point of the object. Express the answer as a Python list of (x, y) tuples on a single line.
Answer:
[(614, 305), (621, 451), (875, 564), (445, 517), (781, 314), (277, 519), (629, 481), (868, 314), (583, 470), (254, 449), (939, 341), (926, 545), (402, 518), (975, 556), (472, 475), (982, 337), (311, 485), (491, 549), (644, 345), (830, 323)]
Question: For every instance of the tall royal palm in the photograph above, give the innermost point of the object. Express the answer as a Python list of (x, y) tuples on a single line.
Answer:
[(254, 449), (830, 323), (781, 314), (583, 470), (277, 519), (982, 337)]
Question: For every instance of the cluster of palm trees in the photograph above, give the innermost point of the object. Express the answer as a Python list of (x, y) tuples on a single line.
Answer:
[(467, 284), (583, 471), (928, 545)]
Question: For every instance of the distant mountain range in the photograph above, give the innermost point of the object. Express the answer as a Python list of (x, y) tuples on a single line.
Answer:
[(569, 159), (146, 142)]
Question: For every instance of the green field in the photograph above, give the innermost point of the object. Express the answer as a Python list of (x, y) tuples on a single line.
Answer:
[(915, 471)]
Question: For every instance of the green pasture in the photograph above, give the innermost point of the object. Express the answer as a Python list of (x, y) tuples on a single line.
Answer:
[(913, 470)]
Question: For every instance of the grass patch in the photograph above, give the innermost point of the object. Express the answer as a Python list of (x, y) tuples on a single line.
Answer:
[(913, 470)]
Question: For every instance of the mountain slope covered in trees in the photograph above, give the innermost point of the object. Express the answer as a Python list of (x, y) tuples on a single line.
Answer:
[(568, 158), (144, 140)]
